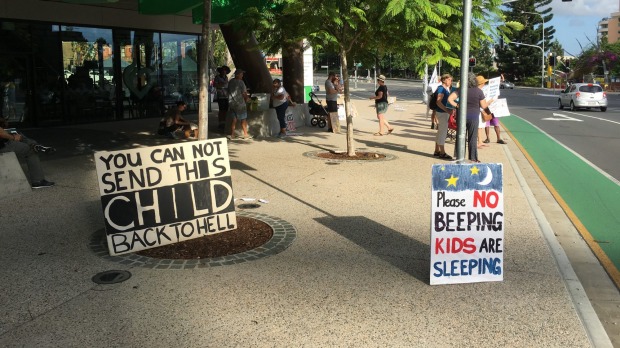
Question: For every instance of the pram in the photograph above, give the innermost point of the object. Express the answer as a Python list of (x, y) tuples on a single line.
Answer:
[(317, 110)]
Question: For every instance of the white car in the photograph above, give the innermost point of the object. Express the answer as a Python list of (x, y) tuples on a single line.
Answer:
[(583, 95)]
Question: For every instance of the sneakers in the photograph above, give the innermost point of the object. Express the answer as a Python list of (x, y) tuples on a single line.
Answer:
[(44, 149), (42, 184)]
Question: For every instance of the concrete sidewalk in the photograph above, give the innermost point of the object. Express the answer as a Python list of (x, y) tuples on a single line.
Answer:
[(355, 275)]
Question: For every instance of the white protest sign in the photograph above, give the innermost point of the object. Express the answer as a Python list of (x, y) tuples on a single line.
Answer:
[(165, 194), (493, 88), (499, 108), (467, 223)]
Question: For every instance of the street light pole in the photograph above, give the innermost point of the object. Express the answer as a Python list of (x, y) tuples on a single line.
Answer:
[(542, 69), (543, 43)]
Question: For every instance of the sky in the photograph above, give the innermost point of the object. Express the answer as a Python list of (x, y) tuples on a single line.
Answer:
[(577, 21)]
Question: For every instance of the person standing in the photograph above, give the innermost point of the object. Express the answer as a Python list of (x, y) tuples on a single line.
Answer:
[(280, 100), (331, 96), (475, 101), (237, 99), (381, 105), (221, 91), (443, 113)]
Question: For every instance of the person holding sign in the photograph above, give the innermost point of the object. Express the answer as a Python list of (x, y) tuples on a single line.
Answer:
[(475, 101), (281, 100)]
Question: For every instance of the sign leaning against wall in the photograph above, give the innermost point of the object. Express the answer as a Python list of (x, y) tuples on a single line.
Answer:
[(160, 195)]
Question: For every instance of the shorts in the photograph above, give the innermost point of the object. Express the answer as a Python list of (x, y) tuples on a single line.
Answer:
[(332, 106), (239, 115), (222, 104), (494, 122), (382, 107)]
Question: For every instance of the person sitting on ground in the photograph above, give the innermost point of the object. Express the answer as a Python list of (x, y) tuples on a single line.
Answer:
[(27, 150), (175, 122)]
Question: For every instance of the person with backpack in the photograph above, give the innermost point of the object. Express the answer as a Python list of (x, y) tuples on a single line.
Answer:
[(439, 103)]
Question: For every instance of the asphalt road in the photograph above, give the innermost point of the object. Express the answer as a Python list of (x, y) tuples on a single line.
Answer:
[(592, 134)]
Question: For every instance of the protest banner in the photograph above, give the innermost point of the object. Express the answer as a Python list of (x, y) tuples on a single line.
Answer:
[(160, 195), (467, 223)]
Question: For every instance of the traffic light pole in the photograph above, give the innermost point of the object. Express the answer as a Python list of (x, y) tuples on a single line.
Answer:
[(462, 111), (542, 69)]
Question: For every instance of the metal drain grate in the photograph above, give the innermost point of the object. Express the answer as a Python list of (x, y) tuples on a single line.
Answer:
[(248, 206), (111, 277)]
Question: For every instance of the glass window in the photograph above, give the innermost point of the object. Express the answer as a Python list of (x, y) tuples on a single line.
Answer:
[(87, 60), (180, 68)]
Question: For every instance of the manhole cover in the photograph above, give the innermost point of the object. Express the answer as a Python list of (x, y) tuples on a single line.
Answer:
[(248, 206), (111, 277)]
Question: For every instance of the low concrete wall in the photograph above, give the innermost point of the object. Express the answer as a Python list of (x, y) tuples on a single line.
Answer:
[(12, 176), (264, 123)]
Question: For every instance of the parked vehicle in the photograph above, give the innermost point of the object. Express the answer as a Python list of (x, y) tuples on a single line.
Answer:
[(583, 95), (506, 84)]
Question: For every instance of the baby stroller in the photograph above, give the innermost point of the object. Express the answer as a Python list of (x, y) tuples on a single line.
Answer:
[(318, 112), (452, 125)]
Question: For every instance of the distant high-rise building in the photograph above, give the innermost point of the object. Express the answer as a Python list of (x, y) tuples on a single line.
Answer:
[(610, 27)]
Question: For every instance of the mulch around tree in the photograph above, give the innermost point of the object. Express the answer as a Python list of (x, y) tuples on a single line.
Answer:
[(359, 156), (249, 234)]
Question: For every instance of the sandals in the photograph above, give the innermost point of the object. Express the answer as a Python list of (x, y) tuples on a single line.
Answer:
[(377, 134), (501, 142), (445, 156), (390, 131), (436, 153)]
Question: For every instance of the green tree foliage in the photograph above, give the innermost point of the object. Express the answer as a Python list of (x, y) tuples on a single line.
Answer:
[(421, 30), (596, 59), (519, 62)]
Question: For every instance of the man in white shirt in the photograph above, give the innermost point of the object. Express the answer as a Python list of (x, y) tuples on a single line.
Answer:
[(332, 88)]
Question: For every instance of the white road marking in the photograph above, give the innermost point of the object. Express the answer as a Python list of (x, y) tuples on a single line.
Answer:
[(560, 117), (594, 117)]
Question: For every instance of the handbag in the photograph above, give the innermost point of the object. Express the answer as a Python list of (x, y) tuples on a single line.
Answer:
[(486, 116), (452, 120)]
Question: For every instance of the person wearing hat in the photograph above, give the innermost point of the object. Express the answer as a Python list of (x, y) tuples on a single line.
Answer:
[(220, 82), (381, 104), (237, 99)]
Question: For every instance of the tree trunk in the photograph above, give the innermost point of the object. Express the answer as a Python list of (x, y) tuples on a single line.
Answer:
[(247, 56), (347, 106), (203, 97), (293, 71)]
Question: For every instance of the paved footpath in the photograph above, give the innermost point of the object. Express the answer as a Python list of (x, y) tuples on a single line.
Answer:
[(356, 273)]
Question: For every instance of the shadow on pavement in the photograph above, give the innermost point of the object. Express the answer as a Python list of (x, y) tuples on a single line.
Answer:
[(403, 252)]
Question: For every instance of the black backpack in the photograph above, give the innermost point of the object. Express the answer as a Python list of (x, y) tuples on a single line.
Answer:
[(432, 104)]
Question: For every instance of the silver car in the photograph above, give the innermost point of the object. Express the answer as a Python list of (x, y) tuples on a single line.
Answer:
[(506, 84), (583, 95)]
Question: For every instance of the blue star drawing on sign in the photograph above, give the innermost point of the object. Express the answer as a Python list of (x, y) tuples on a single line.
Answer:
[(462, 177)]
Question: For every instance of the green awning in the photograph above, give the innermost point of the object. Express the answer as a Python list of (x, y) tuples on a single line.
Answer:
[(163, 7)]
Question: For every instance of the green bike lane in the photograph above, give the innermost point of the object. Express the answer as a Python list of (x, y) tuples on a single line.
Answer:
[(590, 199)]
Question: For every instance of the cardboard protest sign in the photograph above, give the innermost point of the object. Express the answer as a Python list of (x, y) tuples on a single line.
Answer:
[(166, 194), (467, 223), (499, 108)]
